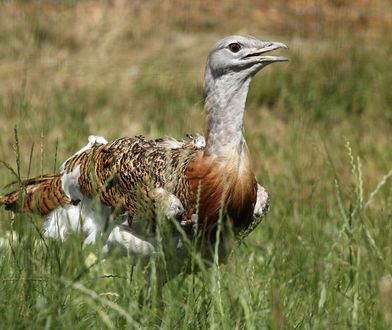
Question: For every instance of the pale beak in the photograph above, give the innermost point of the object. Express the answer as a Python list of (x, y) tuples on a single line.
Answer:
[(266, 48)]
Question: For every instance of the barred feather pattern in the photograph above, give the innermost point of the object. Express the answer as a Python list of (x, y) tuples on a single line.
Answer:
[(38, 195), (123, 173), (210, 180)]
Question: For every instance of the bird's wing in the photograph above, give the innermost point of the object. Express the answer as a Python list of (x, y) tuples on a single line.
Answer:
[(125, 171)]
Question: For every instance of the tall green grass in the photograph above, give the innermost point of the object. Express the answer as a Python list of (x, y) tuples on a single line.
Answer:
[(306, 267), (319, 132)]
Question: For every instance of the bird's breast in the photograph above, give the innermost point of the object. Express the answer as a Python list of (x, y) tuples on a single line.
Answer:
[(216, 185)]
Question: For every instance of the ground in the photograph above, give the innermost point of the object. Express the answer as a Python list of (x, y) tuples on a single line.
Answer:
[(318, 129)]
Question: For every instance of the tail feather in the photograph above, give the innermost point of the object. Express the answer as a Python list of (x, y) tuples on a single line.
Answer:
[(39, 195)]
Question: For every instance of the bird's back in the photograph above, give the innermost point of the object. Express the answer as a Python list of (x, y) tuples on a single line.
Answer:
[(123, 172)]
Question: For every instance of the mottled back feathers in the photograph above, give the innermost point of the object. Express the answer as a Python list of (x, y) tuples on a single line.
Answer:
[(126, 170), (123, 174), (38, 195)]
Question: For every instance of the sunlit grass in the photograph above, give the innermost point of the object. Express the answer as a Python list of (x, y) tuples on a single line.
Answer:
[(319, 133)]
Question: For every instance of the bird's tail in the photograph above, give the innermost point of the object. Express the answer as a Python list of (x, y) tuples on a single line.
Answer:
[(39, 195)]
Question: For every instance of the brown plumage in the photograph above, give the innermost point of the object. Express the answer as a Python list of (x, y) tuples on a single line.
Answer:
[(124, 172), (39, 195), (210, 180), (214, 186)]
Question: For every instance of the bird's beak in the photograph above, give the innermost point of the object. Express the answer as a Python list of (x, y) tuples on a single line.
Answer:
[(266, 47)]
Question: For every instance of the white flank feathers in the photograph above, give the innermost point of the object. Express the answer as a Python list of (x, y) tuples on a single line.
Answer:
[(262, 202), (91, 217)]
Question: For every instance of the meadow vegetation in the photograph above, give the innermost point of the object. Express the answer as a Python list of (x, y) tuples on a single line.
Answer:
[(319, 129)]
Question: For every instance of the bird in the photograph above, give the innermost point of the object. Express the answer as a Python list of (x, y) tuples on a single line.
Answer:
[(212, 176)]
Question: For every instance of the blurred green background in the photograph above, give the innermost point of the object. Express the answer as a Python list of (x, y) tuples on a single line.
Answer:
[(319, 130)]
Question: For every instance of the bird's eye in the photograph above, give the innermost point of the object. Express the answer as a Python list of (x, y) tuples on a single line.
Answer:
[(234, 47)]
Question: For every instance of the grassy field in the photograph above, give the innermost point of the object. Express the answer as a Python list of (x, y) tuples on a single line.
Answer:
[(319, 130)]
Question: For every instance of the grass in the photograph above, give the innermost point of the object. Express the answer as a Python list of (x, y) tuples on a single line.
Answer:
[(318, 129)]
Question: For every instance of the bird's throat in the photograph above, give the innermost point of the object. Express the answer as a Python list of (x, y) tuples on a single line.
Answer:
[(225, 100)]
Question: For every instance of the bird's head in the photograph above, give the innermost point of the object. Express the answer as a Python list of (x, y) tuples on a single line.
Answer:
[(243, 56)]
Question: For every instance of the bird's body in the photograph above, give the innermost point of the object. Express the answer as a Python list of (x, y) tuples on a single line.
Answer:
[(211, 179), (123, 172)]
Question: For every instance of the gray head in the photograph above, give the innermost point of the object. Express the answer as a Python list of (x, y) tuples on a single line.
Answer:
[(231, 64), (244, 55)]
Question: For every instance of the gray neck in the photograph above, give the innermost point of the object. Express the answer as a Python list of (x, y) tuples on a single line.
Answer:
[(225, 98)]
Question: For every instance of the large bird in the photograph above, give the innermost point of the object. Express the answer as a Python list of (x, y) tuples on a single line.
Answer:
[(211, 178)]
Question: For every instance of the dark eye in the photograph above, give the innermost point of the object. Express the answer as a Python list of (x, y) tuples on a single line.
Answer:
[(235, 47)]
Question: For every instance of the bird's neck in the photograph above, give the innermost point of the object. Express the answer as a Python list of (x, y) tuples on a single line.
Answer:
[(225, 99)]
